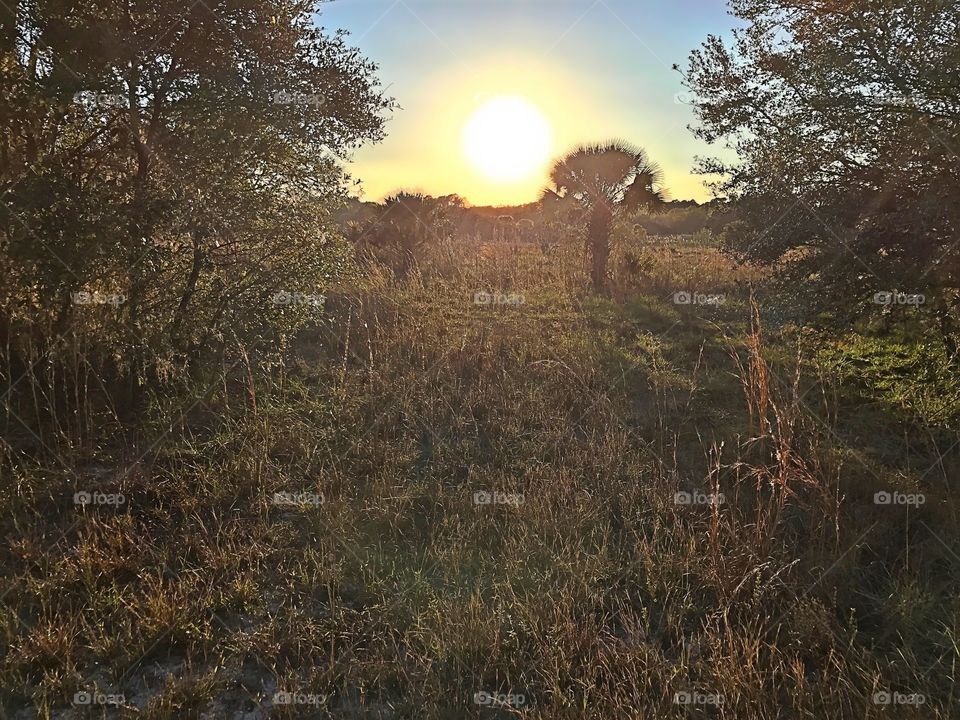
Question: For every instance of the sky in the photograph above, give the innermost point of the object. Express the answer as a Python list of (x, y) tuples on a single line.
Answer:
[(591, 69)]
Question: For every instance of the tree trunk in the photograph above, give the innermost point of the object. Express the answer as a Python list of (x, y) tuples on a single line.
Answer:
[(948, 333), (138, 230), (598, 233), (196, 237)]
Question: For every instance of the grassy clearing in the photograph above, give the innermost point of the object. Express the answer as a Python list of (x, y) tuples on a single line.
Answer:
[(582, 589)]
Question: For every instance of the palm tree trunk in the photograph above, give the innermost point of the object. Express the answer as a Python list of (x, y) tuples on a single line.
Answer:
[(598, 233), (948, 333)]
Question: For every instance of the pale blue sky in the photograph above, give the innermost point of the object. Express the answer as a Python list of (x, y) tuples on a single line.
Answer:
[(596, 68)]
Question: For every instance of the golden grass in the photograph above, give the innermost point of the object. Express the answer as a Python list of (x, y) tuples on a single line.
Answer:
[(595, 595)]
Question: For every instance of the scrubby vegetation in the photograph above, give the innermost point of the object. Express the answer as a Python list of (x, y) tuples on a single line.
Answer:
[(315, 529), (272, 452)]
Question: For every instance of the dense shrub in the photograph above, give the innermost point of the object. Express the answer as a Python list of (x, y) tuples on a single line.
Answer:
[(162, 201)]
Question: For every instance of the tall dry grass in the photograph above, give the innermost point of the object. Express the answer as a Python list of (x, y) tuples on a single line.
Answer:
[(594, 590)]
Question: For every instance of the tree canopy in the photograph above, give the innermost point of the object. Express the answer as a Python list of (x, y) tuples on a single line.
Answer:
[(845, 116), (182, 156), (593, 182)]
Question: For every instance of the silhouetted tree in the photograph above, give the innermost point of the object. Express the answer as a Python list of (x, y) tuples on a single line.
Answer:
[(596, 181)]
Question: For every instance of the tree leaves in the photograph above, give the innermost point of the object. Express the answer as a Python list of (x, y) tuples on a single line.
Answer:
[(846, 120), (145, 152)]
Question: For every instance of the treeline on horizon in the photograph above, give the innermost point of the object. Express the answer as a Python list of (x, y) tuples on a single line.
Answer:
[(675, 217)]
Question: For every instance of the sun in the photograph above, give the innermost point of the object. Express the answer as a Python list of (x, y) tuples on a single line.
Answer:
[(507, 139)]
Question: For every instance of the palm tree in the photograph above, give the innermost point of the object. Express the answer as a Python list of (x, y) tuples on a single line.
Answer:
[(595, 182)]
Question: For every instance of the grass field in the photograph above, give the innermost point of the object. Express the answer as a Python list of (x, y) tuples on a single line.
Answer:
[(554, 507)]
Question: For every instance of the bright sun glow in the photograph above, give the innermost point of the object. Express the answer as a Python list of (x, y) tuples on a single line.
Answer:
[(507, 139)]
